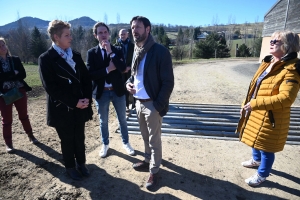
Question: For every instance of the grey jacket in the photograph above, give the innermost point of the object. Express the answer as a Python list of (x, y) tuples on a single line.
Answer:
[(158, 77)]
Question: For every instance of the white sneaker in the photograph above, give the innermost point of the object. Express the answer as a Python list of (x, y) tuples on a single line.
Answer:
[(128, 149), (103, 151), (251, 163), (255, 180)]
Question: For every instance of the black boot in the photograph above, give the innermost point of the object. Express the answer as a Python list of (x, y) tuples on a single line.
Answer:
[(32, 138), (74, 174), (83, 169)]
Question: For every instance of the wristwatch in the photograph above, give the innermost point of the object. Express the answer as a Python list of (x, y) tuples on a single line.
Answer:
[(111, 55)]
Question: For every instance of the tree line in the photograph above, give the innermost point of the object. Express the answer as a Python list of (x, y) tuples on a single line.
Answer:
[(30, 44)]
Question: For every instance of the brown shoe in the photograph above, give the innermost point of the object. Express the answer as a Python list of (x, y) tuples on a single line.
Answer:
[(141, 166), (152, 181)]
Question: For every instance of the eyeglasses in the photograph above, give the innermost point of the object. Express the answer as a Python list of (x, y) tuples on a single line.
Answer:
[(274, 41)]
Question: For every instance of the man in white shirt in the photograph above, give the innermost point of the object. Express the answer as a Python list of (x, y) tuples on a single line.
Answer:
[(151, 83)]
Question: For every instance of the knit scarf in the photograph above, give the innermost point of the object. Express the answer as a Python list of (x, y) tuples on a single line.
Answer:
[(139, 53), (66, 54)]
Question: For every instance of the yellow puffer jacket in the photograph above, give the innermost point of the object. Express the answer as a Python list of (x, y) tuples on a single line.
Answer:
[(266, 126)]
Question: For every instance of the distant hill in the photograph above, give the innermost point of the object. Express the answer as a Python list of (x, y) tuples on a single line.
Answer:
[(42, 25)]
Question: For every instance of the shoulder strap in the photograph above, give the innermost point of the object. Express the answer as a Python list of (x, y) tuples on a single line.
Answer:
[(298, 67)]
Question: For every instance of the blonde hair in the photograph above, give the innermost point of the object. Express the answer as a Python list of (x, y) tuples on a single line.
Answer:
[(3, 40), (289, 39), (56, 28)]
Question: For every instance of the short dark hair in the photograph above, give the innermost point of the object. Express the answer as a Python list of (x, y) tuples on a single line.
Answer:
[(142, 19), (97, 25)]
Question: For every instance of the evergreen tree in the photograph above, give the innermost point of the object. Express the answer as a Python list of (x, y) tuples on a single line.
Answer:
[(243, 51), (213, 46), (38, 44), (257, 47)]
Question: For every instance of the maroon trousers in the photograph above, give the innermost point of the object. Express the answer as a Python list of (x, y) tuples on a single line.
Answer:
[(7, 119)]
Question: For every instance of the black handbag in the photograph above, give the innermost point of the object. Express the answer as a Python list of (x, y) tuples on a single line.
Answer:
[(13, 94)]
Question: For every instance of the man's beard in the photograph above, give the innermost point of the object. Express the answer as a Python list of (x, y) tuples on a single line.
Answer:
[(141, 38)]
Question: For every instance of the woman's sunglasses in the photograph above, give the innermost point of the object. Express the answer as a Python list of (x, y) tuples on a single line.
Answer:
[(274, 41)]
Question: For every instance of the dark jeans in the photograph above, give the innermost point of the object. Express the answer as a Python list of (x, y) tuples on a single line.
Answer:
[(7, 117), (72, 143)]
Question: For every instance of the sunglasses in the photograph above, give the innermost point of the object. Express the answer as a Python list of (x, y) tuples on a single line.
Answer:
[(274, 41)]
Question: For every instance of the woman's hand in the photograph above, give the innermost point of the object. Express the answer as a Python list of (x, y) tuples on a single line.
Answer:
[(130, 88), (83, 103), (247, 107)]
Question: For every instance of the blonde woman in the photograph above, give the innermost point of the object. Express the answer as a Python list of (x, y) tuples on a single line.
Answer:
[(12, 74), (265, 115), (69, 92)]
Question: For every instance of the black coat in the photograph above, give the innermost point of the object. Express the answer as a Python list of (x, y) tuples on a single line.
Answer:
[(97, 71), (11, 76), (158, 77), (65, 88), (128, 59)]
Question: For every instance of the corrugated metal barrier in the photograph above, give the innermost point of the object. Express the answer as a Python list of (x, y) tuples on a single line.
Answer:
[(208, 121)]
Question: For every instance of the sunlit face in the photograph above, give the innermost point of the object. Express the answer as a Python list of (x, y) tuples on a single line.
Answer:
[(123, 35), (64, 41), (139, 32), (102, 34), (276, 47), (3, 49)]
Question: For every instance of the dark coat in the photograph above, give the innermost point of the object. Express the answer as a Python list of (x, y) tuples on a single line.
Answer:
[(97, 71), (11, 76), (158, 77), (128, 59), (65, 88)]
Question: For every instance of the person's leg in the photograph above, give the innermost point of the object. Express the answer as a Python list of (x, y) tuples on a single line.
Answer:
[(154, 123), (21, 107), (256, 155), (6, 114), (119, 104), (67, 136), (102, 105), (79, 142), (144, 130), (267, 160)]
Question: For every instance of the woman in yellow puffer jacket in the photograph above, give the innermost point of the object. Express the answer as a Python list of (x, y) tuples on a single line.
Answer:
[(265, 113)]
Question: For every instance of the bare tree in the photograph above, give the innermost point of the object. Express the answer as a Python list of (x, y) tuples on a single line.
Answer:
[(118, 18), (19, 41)]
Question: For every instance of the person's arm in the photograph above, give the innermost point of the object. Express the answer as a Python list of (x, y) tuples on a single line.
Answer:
[(117, 58), (167, 81), (288, 91), (49, 81), (94, 71), (18, 73)]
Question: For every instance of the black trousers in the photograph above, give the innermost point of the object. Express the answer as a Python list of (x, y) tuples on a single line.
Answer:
[(72, 143)]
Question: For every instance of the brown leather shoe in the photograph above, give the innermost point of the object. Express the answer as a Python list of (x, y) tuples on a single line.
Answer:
[(152, 181), (141, 166)]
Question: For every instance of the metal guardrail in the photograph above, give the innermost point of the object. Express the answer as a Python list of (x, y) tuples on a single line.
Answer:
[(208, 121)]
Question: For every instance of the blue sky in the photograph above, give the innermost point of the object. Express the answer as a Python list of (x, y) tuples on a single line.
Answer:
[(174, 12)]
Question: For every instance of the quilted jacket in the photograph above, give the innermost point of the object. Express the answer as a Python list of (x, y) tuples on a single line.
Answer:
[(266, 126)]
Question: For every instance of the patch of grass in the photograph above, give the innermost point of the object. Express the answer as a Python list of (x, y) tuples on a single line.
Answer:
[(249, 43), (33, 76)]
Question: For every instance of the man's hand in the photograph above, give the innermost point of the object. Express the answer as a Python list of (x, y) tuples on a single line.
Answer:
[(106, 45), (83, 103), (130, 88), (111, 67)]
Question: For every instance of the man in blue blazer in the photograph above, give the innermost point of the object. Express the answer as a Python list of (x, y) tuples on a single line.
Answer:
[(106, 65), (151, 83)]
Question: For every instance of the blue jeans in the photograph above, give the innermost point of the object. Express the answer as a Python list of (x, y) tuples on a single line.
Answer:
[(102, 105), (266, 159)]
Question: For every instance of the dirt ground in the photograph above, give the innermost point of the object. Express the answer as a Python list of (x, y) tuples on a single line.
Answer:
[(192, 168)]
